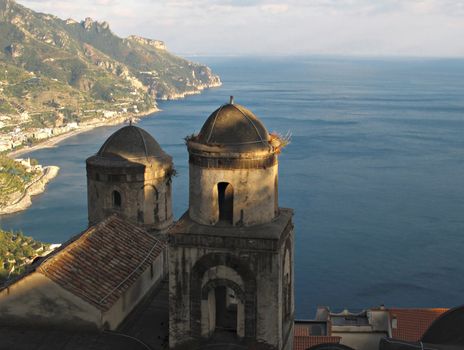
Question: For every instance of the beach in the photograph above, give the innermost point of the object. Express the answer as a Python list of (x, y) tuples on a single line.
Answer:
[(51, 142)]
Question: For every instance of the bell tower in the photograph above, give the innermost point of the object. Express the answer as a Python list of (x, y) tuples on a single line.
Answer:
[(231, 253), (131, 175)]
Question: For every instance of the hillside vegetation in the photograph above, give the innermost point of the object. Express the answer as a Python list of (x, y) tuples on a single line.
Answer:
[(65, 71), (13, 178), (16, 252)]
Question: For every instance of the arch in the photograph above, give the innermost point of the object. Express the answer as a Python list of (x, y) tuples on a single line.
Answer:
[(116, 199), (222, 272), (221, 282), (149, 201), (287, 286), (248, 292), (154, 189), (225, 202), (223, 307)]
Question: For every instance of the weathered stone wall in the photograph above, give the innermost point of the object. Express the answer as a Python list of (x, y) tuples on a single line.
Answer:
[(288, 292), (126, 303), (145, 194), (263, 322), (254, 194), (255, 271), (37, 301)]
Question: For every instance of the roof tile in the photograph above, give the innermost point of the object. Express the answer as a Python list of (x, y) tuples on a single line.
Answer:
[(302, 340), (101, 263), (411, 324)]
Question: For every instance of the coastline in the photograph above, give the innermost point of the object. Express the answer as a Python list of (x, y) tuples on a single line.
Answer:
[(52, 141), (34, 188), (50, 172), (25, 200)]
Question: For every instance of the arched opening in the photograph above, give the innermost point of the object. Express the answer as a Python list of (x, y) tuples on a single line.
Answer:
[(116, 199), (223, 309), (202, 297), (226, 310), (226, 202)]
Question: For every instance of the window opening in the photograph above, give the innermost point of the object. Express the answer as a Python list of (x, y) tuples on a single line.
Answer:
[(226, 202), (116, 199), (226, 310)]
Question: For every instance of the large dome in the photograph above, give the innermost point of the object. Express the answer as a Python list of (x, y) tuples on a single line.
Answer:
[(234, 125), (131, 142)]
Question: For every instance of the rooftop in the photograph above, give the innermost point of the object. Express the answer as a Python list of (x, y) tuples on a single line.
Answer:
[(303, 339), (101, 263), (411, 324), (131, 143), (233, 125)]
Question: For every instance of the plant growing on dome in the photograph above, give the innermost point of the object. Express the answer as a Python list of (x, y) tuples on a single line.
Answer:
[(279, 141), (191, 137)]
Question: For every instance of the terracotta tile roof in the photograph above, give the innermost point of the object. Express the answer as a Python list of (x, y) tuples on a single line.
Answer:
[(412, 323), (300, 331), (101, 263), (302, 340)]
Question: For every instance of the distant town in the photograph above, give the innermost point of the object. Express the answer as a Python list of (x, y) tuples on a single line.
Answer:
[(20, 136)]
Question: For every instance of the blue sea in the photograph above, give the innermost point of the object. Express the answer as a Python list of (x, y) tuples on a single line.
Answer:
[(374, 171)]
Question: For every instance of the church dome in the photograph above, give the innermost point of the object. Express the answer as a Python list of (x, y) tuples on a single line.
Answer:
[(131, 142), (235, 126)]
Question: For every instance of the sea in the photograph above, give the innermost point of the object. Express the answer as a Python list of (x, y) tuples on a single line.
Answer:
[(374, 172)]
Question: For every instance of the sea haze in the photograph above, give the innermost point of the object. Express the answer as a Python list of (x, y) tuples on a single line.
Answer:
[(375, 173)]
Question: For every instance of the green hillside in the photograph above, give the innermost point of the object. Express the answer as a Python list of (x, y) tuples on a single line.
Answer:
[(63, 69), (13, 178), (16, 252)]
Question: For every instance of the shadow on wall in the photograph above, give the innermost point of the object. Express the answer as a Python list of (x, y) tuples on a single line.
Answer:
[(223, 344)]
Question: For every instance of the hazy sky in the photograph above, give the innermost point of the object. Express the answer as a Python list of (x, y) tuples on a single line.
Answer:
[(352, 27)]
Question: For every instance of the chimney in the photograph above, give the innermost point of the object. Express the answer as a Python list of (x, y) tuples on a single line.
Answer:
[(231, 100)]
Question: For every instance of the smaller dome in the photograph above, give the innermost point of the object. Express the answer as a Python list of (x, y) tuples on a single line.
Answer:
[(234, 125), (131, 142)]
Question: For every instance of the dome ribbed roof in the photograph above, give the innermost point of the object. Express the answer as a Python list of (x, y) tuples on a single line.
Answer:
[(131, 142), (234, 125)]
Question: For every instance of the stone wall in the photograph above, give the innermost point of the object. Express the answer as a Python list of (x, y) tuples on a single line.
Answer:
[(249, 263), (254, 194), (145, 191), (151, 277), (36, 301)]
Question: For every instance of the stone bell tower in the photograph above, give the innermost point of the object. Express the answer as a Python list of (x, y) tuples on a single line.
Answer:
[(131, 175), (231, 253)]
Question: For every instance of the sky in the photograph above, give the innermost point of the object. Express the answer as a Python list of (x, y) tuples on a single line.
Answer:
[(424, 28)]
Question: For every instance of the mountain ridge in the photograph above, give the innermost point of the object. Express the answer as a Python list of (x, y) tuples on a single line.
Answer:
[(57, 69)]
